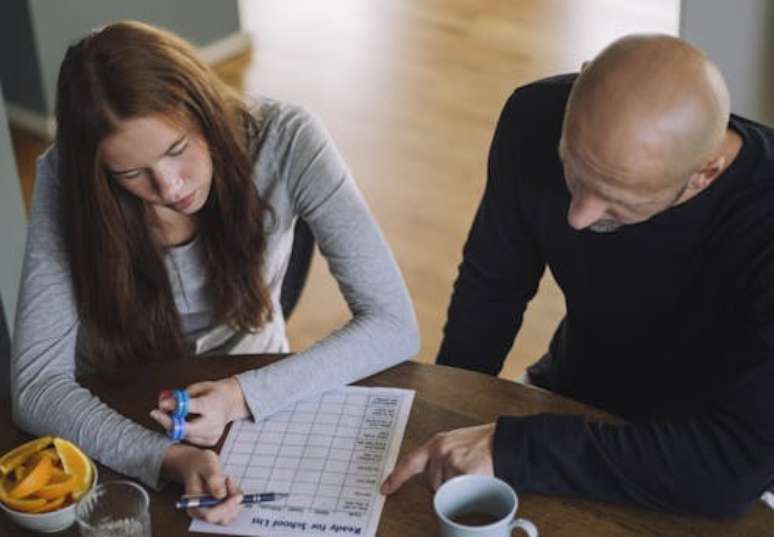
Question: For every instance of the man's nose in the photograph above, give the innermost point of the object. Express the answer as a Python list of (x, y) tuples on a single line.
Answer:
[(585, 210)]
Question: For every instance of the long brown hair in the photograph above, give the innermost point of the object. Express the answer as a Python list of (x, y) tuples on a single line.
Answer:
[(124, 297)]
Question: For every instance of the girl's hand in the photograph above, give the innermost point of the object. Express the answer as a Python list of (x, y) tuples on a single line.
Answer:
[(200, 472), (217, 404)]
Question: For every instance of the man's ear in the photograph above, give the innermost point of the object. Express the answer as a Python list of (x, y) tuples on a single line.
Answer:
[(708, 173)]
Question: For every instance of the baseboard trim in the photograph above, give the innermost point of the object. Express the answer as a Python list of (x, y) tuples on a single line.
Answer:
[(31, 120), (45, 125)]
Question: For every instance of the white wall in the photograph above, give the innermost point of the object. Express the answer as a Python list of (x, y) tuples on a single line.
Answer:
[(34, 35), (737, 36), (58, 24), (13, 227), (13, 222)]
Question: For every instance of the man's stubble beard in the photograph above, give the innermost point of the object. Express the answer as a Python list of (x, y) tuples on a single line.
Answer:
[(605, 226)]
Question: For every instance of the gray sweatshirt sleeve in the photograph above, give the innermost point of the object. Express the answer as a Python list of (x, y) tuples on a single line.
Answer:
[(383, 329), (45, 397)]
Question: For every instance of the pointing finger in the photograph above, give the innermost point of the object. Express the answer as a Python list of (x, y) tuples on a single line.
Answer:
[(435, 472), (411, 465)]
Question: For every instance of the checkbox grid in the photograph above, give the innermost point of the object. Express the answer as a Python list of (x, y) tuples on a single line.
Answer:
[(328, 454)]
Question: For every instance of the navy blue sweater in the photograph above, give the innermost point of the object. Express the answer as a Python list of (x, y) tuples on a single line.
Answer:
[(669, 324)]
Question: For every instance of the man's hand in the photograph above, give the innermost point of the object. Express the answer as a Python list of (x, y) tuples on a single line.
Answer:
[(463, 451)]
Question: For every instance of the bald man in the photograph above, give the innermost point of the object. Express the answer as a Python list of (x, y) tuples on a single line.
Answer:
[(654, 209)]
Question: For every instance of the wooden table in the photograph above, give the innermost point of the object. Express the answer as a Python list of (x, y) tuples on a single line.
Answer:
[(446, 398)]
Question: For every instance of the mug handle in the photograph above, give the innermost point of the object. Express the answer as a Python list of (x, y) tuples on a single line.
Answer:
[(522, 523)]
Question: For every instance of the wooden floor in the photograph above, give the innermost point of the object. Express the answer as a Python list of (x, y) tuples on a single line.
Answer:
[(411, 91)]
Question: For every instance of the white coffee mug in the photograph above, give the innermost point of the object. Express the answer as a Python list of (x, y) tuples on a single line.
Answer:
[(478, 506)]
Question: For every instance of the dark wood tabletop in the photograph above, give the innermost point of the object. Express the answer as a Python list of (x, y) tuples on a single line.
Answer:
[(446, 398)]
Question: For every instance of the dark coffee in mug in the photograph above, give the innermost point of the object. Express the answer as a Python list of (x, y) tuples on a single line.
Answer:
[(478, 506), (475, 518)]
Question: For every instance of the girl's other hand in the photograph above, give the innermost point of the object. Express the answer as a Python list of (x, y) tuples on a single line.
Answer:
[(200, 472), (216, 404)]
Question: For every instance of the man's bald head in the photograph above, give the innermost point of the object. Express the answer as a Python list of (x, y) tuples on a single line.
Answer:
[(651, 93), (646, 114)]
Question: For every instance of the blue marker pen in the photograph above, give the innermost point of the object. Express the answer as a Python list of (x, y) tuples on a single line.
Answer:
[(190, 502)]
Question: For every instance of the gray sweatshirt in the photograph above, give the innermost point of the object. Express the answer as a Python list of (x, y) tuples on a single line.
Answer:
[(301, 174)]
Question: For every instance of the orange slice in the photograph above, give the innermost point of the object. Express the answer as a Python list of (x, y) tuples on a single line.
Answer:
[(34, 481), (6, 485), (25, 506), (51, 505), (55, 490), (75, 462), (48, 452), (20, 472), (57, 474), (18, 455)]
